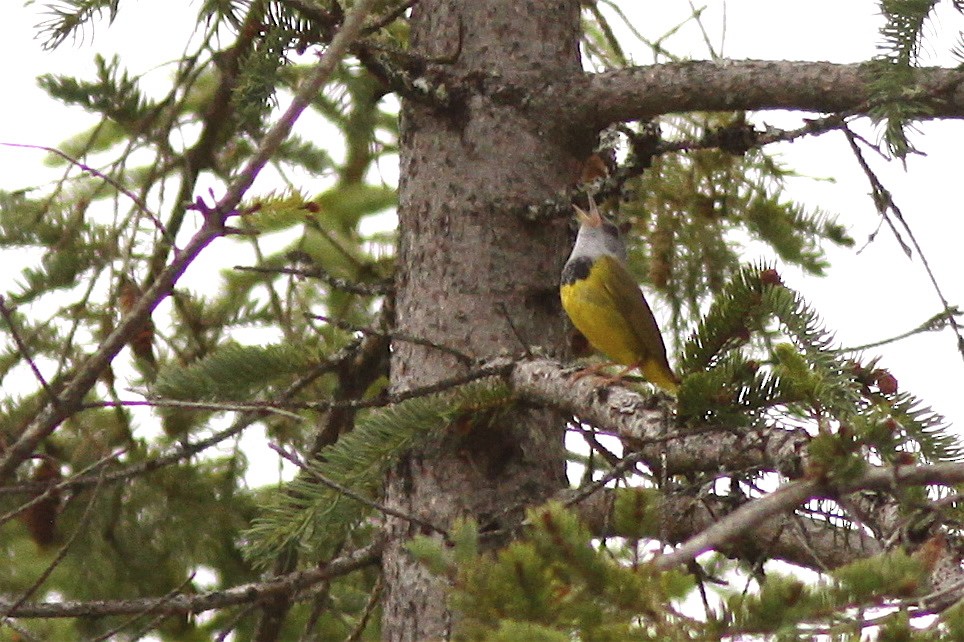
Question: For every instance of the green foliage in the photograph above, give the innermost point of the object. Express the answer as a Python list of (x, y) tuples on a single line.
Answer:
[(637, 512), (894, 574), (114, 93), (688, 209), (312, 517), (67, 17), (896, 99), (793, 369), (232, 372), (780, 604), (74, 248), (260, 78), (555, 584), (147, 537), (953, 619), (223, 335), (786, 606)]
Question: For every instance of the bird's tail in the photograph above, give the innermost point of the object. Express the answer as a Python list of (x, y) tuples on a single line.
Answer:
[(660, 375)]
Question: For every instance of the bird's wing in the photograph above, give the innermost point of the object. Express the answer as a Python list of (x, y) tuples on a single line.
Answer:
[(628, 299)]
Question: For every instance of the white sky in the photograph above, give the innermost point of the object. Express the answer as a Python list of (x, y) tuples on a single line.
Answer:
[(873, 295)]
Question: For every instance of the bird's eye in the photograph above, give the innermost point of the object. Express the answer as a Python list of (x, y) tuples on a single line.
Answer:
[(611, 229)]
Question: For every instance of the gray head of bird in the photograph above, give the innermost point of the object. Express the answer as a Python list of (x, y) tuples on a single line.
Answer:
[(597, 236)]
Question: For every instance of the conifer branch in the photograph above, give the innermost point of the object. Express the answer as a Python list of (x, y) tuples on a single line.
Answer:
[(634, 419), (185, 451), (293, 584), (59, 557), (314, 475), (137, 200), (213, 227)]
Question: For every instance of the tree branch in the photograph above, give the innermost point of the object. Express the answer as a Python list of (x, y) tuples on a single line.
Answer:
[(789, 496), (646, 427), (290, 584), (811, 543), (637, 93)]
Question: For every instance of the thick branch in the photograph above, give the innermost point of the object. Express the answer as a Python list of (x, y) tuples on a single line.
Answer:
[(597, 100), (788, 497), (811, 543), (650, 430)]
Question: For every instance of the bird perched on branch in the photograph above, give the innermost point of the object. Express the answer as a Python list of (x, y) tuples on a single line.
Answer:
[(606, 305)]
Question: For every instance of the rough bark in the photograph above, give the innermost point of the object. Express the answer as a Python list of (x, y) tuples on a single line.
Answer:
[(474, 276), (647, 427), (639, 93)]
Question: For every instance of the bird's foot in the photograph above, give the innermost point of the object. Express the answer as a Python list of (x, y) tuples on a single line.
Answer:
[(607, 379)]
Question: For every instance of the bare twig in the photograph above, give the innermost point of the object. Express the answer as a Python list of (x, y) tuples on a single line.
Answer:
[(267, 407), (233, 623), (885, 203), (137, 200), (281, 407), (24, 634), (740, 521), (389, 17), (187, 450), (793, 494), (618, 470), (397, 336), (293, 584), (153, 622), (46, 491), (934, 324), (25, 351), (366, 289), (373, 601)]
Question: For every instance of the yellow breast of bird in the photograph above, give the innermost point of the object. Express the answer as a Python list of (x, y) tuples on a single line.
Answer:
[(589, 298)]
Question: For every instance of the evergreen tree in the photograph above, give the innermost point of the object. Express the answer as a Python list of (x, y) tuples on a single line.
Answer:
[(177, 325)]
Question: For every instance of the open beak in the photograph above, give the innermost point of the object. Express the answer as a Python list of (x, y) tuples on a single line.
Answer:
[(592, 218)]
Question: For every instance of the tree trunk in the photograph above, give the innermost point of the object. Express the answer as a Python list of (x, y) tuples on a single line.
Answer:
[(474, 276)]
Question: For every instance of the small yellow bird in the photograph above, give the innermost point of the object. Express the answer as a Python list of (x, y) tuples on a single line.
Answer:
[(606, 305)]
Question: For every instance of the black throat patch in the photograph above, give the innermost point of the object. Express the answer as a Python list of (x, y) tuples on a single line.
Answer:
[(576, 269)]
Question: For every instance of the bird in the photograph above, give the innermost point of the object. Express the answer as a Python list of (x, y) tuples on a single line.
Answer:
[(605, 303)]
